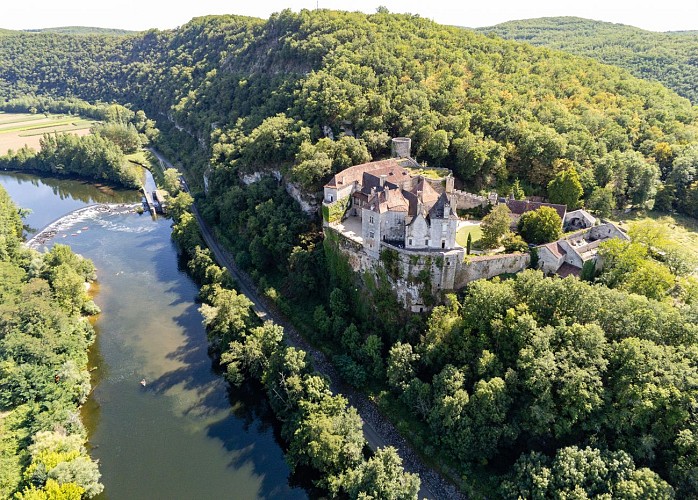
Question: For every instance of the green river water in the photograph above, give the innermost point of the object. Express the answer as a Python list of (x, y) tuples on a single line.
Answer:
[(185, 435)]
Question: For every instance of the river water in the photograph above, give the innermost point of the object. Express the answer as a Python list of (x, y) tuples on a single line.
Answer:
[(185, 435)]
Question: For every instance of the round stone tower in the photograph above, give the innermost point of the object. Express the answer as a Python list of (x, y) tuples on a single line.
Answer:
[(400, 147)]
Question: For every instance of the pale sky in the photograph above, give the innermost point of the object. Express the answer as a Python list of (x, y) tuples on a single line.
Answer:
[(662, 15)]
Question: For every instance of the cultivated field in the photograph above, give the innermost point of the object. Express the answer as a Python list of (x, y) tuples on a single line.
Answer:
[(19, 129)]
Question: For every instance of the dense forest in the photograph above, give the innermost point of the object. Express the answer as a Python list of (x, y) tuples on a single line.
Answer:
[(260, 93), (527, 386), (669, 58), (44, 337)]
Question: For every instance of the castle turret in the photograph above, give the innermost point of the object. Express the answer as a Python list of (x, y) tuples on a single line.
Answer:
[(401, 147)]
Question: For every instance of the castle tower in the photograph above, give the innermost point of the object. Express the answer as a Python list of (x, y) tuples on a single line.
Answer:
[(400, 147)]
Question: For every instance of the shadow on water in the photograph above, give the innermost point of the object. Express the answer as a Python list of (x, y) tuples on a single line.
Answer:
[(186, 434)]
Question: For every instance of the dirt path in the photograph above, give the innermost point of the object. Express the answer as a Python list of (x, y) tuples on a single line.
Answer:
[(378, 430)]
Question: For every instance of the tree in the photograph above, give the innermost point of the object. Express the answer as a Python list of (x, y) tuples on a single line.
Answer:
[(226, 317), (252, 352), (540, 226), (518, 191), (400, 369), (583, 473), (495, 225), (179, 204), (566, 189), (382, 476), (170, 181), (601, 201), (328, 437), (468, 243), (514, 243)]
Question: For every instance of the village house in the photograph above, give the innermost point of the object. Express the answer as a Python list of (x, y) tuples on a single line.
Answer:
[(569, 254)]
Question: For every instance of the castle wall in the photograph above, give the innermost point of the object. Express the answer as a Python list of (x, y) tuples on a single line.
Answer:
[(393, 226), (443, 231), (417, 233), (416, 275), (371, 231), (548, 262), (486, 267), (465, 201)]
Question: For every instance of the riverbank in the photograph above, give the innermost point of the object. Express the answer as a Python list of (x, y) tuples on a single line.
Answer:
[(44, 346), (378, 430), (187, 419)]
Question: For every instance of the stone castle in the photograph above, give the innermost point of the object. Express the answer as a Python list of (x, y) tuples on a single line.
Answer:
[(388, 208)]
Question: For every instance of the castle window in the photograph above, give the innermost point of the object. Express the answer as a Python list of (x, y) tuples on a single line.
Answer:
[(426, 243), (331, 198), (371, 234), (448, 262), (370, 219), (443, 243), (409, 242)]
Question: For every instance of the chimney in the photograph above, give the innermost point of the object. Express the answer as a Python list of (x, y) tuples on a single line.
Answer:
[(420, 203), (447, 210), (382, 180), (342, 180), (373, 190)]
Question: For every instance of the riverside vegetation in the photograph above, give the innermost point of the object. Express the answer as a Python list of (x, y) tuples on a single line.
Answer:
[(527, 386), (324, 434), (44, 337)]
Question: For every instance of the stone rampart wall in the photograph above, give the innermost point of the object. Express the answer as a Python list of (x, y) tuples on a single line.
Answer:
[(475, 268), (462, 200)]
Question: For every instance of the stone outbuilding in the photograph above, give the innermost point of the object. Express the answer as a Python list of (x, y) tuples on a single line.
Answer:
[(578, 219), (569, 254)]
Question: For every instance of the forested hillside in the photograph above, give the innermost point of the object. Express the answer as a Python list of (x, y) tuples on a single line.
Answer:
[(491, 110), (670, 58), (521, 387), (81, 30)]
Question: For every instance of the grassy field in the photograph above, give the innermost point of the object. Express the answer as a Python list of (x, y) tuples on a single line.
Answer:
[(681, 229), (20, 129), (462, 234)]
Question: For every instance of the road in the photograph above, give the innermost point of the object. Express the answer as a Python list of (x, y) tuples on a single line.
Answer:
[(378, 430)]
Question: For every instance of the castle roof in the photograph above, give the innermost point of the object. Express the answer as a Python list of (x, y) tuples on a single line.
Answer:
[(581, 214), (429, 196), (437, 211), (388, 200), (555, 249), (393, 168)]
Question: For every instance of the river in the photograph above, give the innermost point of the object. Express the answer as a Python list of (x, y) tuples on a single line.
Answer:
[(185, 435)]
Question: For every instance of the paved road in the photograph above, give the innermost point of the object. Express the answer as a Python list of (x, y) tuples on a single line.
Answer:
[(378, 430)]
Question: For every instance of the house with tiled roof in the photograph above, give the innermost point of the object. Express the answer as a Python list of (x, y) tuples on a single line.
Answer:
[(569, 254), (520, 207)]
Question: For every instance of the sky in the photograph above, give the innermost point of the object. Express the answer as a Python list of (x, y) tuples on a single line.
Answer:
[(664, 15)]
